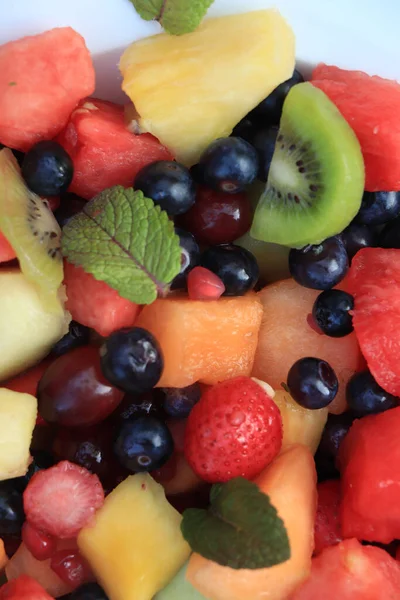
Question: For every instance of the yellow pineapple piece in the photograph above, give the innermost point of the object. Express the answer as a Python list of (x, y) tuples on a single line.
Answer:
[(192, 89), (135, 546), (17, 421), (300, 425)]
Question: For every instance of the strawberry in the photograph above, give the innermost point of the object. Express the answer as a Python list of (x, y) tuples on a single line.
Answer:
[(234, 430), (63, 499), (203, 284), (327, 522), (23, 588)]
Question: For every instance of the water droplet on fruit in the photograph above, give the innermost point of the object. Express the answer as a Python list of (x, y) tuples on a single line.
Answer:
[(236, 418)]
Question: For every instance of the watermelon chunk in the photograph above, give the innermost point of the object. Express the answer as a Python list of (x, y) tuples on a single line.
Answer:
[(371, 105), (374, 281), (369, 460), (42, 78), (24, 587), (350, 571), (104, 151)]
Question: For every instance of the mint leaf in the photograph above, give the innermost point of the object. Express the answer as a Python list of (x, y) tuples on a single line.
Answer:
[(122, 238), (176, 16), (241, 530)]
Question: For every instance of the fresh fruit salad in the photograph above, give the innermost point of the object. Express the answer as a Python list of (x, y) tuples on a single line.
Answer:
[(199, 289)]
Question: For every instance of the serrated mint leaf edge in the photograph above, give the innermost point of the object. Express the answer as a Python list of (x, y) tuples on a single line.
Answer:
[(149, 10), (176, 17)]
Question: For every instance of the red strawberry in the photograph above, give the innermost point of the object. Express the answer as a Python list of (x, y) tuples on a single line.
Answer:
[(6, 251), (63, 499), (234, 430), (23, 588), (327, 521), (95, 304), (203, 284)]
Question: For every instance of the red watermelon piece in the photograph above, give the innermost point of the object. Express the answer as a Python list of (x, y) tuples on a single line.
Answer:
[(42, 79), (327, 531), (371, 105), (369, 460), (374, 281), (104, 151), (6, 250), (23, 588), (350, 571), (94, 303)]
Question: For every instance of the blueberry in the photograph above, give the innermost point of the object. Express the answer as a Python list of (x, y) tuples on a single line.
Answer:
[(245, 129), (378, 208), (144, 444), (228, 165), (319, 267), (334, 432), (47, 169), (179, 402), (264, 142), (269, 111), (134, 406), (78, 335), (390, 235), (357, 236), (11, 509), (88, 591), (169, 184), (190, 256), (70, 205), (312, 382), (235, 266), (364, 396), (331, 312), (131, 359)]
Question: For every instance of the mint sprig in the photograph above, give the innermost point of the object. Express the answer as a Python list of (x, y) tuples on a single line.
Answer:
[(176, 16), (241, 529), (122, 238)]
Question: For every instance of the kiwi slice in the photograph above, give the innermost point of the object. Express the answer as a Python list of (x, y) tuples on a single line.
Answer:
[(30, 227), (316, 180)]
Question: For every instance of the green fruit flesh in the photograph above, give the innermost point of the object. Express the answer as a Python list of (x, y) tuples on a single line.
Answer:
[(316, 179), (179, 588), (272, 259)]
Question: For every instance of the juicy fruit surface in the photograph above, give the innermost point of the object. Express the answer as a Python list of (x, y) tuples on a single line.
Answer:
[(290, 483), (23, 587), (350, 571), (213, 101), (135, 524), (204, 341), (327, 522), (371, 106), (55, 70), (300, 425), (6, 250), (94, 303), (104, 151), (374, 281), (369, 464), (315, 133), (179, 588), (286, 336), (17, 420), (28, 330)]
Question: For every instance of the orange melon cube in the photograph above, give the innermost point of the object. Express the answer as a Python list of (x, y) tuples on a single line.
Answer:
[(204, 341)]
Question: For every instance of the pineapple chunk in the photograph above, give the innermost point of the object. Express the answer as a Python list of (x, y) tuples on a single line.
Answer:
[(300, 425), (17, 420), (135, 546), (192, 89)]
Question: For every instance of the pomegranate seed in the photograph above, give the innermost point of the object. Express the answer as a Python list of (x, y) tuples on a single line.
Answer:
[(39, 544), (71, 568), (204, 285)]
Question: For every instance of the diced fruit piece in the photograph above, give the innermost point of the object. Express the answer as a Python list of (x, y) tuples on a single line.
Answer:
[(104, 151), (350, 571), (23, 563), (94, 304), (300, 425), (32, 230), (6, 250), (71, 567), (203, 284), (272, 259), (327, 530), (374, 281), (135, 521), (179, 588), (54, 69), (17, 421), (63, 499), (3, 555), (39, 544), (290, 483), (371, 106), (370, 469), (204, 341), (182, 480), (27, 382), (286, 336), (157, 69), (23, 587), (28, 329), (316, 179)]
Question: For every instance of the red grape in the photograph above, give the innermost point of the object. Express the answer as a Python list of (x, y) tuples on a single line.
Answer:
[(73, 392), (71, 568), (218, 218), (39, 544)]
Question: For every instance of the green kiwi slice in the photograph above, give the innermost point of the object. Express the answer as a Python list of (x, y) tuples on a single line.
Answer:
[(316, 179), (30, 227)]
